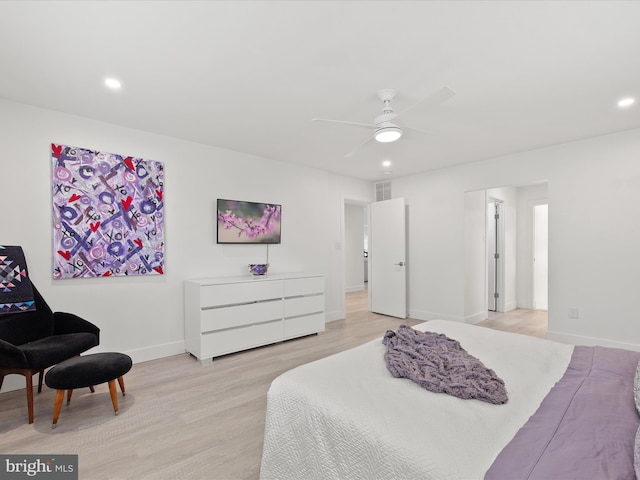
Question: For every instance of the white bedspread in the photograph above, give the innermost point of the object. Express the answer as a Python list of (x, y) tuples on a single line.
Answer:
[(345, 417)]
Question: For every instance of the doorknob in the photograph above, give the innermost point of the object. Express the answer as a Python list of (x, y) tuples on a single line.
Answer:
[(399, 264)]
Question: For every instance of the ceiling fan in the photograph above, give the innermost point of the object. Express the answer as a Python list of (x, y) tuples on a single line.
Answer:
[(384, 128)]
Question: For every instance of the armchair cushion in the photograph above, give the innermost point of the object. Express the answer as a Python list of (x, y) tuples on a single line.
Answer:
[(55, 349)]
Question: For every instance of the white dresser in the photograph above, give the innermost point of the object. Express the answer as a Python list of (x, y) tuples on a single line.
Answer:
[(230, 314)]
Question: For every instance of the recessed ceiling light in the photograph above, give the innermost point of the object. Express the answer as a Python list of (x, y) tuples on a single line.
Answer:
[(386, 163), (113, 83), (626, 102)]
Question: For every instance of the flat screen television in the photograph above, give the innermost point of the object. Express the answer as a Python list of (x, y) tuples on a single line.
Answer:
[(248, 222)]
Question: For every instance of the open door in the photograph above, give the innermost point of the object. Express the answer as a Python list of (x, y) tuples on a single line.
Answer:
[(495, 250), (540, 257), (387, 258)]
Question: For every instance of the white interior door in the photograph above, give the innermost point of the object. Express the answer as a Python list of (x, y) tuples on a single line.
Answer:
[(495, 255), (540, 257), (492, 250), (387, 258)]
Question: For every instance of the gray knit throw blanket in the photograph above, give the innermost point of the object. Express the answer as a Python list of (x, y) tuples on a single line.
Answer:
[(439, 364)]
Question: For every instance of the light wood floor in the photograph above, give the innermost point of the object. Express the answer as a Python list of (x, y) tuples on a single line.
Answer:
[(526, 322), (184, 420)]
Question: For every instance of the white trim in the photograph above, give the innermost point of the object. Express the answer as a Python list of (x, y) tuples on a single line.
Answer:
[(157, 351), (476, 317), (500, 240), (333, 316), (427, 316), (17, 382), (511, 306), (355, 288), (589, 341)]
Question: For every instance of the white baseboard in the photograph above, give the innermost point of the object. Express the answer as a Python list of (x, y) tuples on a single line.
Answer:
[(426, 316), (355, 288), (589, 341), (16, 382), (476, 317), (333, 316), (156, 351), (510, 306)]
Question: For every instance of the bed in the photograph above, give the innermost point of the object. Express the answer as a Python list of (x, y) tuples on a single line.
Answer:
[(345, 417)]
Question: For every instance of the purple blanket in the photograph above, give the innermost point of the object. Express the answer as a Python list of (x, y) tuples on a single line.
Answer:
[(440, 365), (584, 428)]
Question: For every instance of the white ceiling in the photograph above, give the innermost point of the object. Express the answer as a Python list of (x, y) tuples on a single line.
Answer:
[(250, 76)]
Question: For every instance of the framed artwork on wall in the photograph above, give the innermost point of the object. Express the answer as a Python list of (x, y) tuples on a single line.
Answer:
[(108, 214)]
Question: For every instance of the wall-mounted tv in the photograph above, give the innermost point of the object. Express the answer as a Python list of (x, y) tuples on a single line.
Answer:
[(248, 222)]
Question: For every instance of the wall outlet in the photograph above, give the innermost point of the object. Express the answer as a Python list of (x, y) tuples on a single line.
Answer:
[(573, 312)]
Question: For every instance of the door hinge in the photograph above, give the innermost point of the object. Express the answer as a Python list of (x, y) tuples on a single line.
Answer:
[(496, 295), (497, 216), (496, 255)]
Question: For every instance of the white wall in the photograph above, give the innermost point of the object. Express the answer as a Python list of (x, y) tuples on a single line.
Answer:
[(143, 316), (475, 256), (354, 247), (594, 233)]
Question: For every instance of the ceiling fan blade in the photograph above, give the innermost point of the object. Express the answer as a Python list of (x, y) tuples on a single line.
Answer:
[(433, 100), (420, 131), (341, 122), (353, 152)]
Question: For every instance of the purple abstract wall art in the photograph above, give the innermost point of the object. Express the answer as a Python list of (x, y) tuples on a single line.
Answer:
[(108, 214)]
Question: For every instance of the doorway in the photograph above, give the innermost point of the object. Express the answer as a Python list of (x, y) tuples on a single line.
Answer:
[(516, 286), (354, 246), (355, 252), (359, 233)]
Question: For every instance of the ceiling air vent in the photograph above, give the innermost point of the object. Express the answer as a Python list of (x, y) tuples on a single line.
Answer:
[(383, 191)]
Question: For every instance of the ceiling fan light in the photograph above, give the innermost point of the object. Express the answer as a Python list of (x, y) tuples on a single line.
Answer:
[(626, 102), (388, 134)]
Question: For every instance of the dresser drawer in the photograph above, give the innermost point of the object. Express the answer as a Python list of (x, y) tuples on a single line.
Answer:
[(298, 326), (303, 286), (227, 341), (220, 318), (303, 305), (236, 293)]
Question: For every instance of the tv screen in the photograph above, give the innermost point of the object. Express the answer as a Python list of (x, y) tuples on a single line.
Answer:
[(248, 222)]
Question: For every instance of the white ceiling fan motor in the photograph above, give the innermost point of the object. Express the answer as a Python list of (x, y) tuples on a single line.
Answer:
[(387, 131)]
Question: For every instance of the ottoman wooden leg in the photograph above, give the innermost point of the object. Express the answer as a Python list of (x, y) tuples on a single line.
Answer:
[(114, 395), (57, 405), (121, 383), (69, 392)]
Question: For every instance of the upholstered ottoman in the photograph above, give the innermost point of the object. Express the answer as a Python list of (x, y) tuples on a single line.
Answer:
[(87, 371)]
